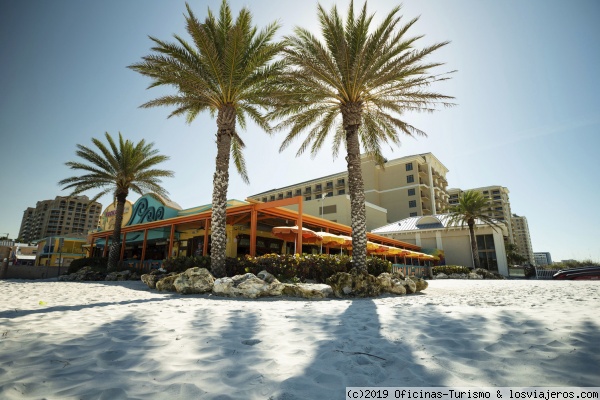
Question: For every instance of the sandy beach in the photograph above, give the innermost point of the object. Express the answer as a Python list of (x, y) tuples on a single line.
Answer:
[(121, 340)]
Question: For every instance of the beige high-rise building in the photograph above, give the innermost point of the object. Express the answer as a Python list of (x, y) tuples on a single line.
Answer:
[(522, 238), (404, 187), (498, 204), (59, 217)]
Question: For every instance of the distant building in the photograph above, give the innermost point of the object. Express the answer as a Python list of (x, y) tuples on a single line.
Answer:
[(60, 251), (404, 187), (59, 217), (522, 238), (542, 258), (498, 204)]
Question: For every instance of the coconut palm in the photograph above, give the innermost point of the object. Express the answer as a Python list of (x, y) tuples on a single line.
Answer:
[(117, 169), (352, 86), (471, 206), (226, 70)]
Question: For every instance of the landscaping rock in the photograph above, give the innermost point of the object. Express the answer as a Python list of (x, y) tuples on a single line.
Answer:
[(247, 285), (420, 284), (354, 284), (118, 276), (307, 290), (392, 283), (409, 285), (84, 274), (441, 275), (473, 275), (488, 274), (166, 284), (194, 281), (154, 276)]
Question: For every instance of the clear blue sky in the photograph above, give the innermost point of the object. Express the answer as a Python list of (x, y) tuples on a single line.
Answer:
[(527, 89)]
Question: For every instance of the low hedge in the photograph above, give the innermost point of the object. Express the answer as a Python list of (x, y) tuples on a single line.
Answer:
[(450, 269), (286, 268)]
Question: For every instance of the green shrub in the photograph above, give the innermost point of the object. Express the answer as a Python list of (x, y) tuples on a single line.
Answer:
[(450, 269), (181, 264), (94, 262)]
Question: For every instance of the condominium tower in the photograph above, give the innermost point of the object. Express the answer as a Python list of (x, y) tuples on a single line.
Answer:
[(61, 216), (401, 188), (498, 204), (522, 238)]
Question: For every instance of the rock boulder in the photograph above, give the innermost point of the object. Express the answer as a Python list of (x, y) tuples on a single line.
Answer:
[(354, 284), (392, 283), (307, 290), (247, 285), (194, 281)]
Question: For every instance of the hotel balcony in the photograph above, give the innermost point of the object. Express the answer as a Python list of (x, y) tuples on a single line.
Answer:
[(340, 184)]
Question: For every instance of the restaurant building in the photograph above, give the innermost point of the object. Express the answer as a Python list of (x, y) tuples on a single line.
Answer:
[(155, 229)]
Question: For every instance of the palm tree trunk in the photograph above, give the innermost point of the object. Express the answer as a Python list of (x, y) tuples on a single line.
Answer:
[(114, 252), (226, 129), (473, 244), (351, 114)]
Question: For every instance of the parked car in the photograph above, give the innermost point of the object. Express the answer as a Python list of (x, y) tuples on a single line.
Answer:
[(585, 273)]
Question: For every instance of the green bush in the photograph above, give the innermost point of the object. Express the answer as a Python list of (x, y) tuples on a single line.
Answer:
[(181, 264), (94, 262), (450, 269)]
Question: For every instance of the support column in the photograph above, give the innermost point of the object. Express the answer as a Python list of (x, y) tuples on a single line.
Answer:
[(144, 246), (171, 239), (253, 223), (123, 246)]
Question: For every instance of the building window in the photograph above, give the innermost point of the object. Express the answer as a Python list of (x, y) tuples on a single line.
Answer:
[(487, 252), (411, 192), (288, 194), (495, 192), (410, 178), (319, 196), (272, 198), (264, 199), (329, 194), (413, 214), (412, 203), (307, 198), (342, 191), (409, 167), (298, 192)]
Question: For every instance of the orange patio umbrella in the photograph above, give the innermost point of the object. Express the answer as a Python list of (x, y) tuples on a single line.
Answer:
[(290, 234)]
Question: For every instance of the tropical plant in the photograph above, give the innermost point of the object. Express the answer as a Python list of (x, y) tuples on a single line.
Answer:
[(353, 87), (226, 70), (512, 254), (117, 169), (471, 206)]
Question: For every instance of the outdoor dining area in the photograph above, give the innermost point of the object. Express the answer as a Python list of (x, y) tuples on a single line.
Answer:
[(409, 262)]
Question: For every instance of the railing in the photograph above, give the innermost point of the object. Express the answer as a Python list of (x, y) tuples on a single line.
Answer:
[(412, 270), (541, 273), (145, 266)]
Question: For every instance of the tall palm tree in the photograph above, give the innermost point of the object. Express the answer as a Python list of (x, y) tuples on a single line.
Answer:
[(117, 169), (353, 86), (226, 70), (471, 207)]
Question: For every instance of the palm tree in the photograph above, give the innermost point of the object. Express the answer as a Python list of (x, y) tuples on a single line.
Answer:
[(227, 70), (117, 169), (471, 206), (352, 87)]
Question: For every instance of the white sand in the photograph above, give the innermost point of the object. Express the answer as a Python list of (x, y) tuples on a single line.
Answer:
[(118, 340)]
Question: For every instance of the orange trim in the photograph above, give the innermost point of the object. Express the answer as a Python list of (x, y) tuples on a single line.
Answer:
[(253, 220), (206, 228), (171, 239), (123, 247)]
